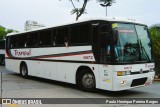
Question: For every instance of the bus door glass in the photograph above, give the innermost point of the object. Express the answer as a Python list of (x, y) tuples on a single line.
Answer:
[(105, 44)]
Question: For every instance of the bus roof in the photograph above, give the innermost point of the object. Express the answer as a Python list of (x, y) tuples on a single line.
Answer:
[(110, 19)]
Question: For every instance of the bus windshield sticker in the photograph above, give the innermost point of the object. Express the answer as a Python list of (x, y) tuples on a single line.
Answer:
[(126, 31), (115, 25)]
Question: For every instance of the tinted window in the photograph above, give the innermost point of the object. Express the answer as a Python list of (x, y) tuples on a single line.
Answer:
[(80, 33), (95, 34), (74, 34), (104, 28), (61, 36), (84, 34), (45, 38), (32, 40), (22, 40), (105, 44), (13, 41)]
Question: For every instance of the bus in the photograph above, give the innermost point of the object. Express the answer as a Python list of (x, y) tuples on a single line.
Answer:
[(104, 53), (2, 52)]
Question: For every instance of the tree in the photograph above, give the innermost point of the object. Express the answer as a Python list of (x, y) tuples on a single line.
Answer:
[(4, 32), (155, 36), (81, 10)]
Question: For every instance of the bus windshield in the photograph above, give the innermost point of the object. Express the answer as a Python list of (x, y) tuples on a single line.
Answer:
[(133, 43)]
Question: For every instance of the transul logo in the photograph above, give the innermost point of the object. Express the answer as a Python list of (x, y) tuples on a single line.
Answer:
[(149, 65), (22, 53)]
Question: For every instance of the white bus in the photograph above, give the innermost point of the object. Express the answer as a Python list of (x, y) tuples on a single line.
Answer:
[(109, 54), (2, 52)]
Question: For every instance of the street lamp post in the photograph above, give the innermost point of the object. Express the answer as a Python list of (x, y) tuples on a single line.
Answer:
[(106, 5), (106, 10)]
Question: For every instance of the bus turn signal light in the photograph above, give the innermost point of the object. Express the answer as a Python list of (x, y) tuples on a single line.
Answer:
[(123, 73), (119, 73)]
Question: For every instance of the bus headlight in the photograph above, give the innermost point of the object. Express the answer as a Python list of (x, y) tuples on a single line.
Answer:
[(123, 73), (151, 70), (128, 72)]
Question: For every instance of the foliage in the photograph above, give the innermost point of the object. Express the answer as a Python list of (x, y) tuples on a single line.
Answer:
[(155, 36), (82, 10), (79, 11), (4, 32)]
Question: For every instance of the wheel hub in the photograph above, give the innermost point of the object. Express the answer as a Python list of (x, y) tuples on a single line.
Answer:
[(88, 80)]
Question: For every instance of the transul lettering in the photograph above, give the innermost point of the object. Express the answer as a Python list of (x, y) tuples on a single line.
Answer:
[(22, 53)]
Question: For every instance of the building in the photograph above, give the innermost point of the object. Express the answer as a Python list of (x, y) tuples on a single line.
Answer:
[(30, 25)]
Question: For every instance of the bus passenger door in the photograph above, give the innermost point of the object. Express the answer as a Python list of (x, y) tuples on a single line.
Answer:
[(105, 44), (101, 43), (102, 52)]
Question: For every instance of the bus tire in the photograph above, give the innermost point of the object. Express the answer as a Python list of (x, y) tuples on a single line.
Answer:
[(86, 80), (24, 70)]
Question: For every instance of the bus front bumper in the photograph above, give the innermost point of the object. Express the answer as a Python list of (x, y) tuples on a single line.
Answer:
[(132, 81)]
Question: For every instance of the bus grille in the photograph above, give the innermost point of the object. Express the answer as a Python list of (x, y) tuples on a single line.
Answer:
[(137, 82), (138, 72)]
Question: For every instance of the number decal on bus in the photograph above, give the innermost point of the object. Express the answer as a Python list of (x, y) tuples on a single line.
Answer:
[(88, 57)]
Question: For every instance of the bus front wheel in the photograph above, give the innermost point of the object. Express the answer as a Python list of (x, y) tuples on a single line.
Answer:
[(24, 70), (86, 80)]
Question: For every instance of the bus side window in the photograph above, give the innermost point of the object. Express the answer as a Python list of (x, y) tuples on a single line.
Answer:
[(80, 34), (22, 41), (53, 37), (84, 33), (61, 36), (54, 40), (14, 41), (74, 35), (45, 38), (95, 34), (32, 40)]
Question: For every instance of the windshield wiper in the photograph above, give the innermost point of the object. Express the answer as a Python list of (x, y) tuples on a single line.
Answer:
[(143, 49)]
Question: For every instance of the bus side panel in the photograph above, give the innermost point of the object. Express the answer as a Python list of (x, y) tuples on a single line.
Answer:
[(12, 65), (33, 68), (75, 54), (50, 70), (106, 72), (44, 69), (60, 71), (67, 72)]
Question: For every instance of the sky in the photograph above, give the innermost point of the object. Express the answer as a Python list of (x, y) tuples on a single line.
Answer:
[(14, 13)]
